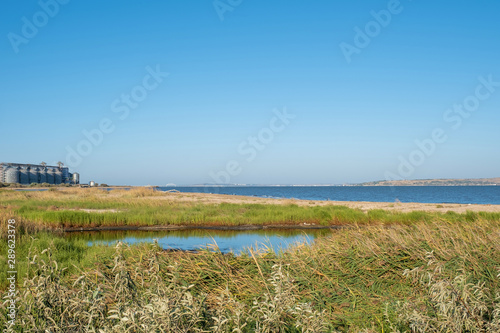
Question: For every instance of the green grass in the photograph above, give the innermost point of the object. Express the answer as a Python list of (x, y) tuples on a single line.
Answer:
[(71, 253), (63, 209)]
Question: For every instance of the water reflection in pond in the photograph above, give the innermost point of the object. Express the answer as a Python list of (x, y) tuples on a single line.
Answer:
[(226, 240)]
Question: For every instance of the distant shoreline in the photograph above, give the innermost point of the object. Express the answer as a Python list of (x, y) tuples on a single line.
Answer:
[(209, 198), (389, 183), (437, 182), (242, 227), (345, 185)]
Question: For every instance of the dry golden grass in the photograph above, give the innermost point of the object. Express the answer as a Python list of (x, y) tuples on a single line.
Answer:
[(355, 280)]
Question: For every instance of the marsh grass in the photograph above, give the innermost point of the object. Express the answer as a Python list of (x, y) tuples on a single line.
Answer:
[(70, 253), (64, 208), (148, 294), (372, 277), (449, 304), (351, 281)]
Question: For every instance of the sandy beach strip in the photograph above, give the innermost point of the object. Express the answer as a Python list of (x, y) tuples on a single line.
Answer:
[(362, 205)]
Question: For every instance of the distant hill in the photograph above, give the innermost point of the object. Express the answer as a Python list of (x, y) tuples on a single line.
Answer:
[(435, 182)]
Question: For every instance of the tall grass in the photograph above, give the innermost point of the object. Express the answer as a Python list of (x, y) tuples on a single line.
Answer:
[(449, 305), (148, 296), (71, 253), (355, 280)]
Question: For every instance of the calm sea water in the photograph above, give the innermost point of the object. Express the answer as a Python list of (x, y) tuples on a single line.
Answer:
[(422, 194)]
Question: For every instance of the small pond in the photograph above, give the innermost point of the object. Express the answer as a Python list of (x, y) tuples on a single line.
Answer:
[(194, 239)]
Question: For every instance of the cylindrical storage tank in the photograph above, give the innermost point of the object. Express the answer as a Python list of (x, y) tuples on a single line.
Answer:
[(24, 175), (92, 183), (76, 178), (65, 174), (43, 175), (50, 176), (33, 175), (11, 175), (58, 177)]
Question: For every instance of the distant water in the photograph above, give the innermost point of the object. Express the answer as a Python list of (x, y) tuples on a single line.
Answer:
[(421, 194)]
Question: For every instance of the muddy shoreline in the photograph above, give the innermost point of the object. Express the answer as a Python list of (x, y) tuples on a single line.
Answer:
[(245, 227)]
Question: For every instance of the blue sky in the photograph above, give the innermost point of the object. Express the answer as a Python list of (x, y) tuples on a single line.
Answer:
[(353, 121)]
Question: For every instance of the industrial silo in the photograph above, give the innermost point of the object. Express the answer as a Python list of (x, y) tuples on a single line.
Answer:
[(50, 176), (65, 174), (11, 174), (24, 175), (3, 170), (76, 178), (33, 174), (43, 175), (58, 177)]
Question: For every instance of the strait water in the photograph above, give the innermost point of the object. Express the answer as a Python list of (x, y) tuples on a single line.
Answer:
[(421, 194)]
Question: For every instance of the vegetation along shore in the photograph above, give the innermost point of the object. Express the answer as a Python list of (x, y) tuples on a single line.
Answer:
[(397, 267)]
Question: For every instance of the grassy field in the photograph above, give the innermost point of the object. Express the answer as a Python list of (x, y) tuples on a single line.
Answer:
[(73, 208), (429, 272)]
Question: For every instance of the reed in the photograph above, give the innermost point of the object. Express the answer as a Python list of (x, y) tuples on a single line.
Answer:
[(366, 279)]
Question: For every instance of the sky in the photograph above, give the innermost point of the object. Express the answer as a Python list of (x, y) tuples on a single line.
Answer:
[(252, 92)]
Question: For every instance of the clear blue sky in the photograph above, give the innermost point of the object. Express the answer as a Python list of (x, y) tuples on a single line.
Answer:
[(353, 121)]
